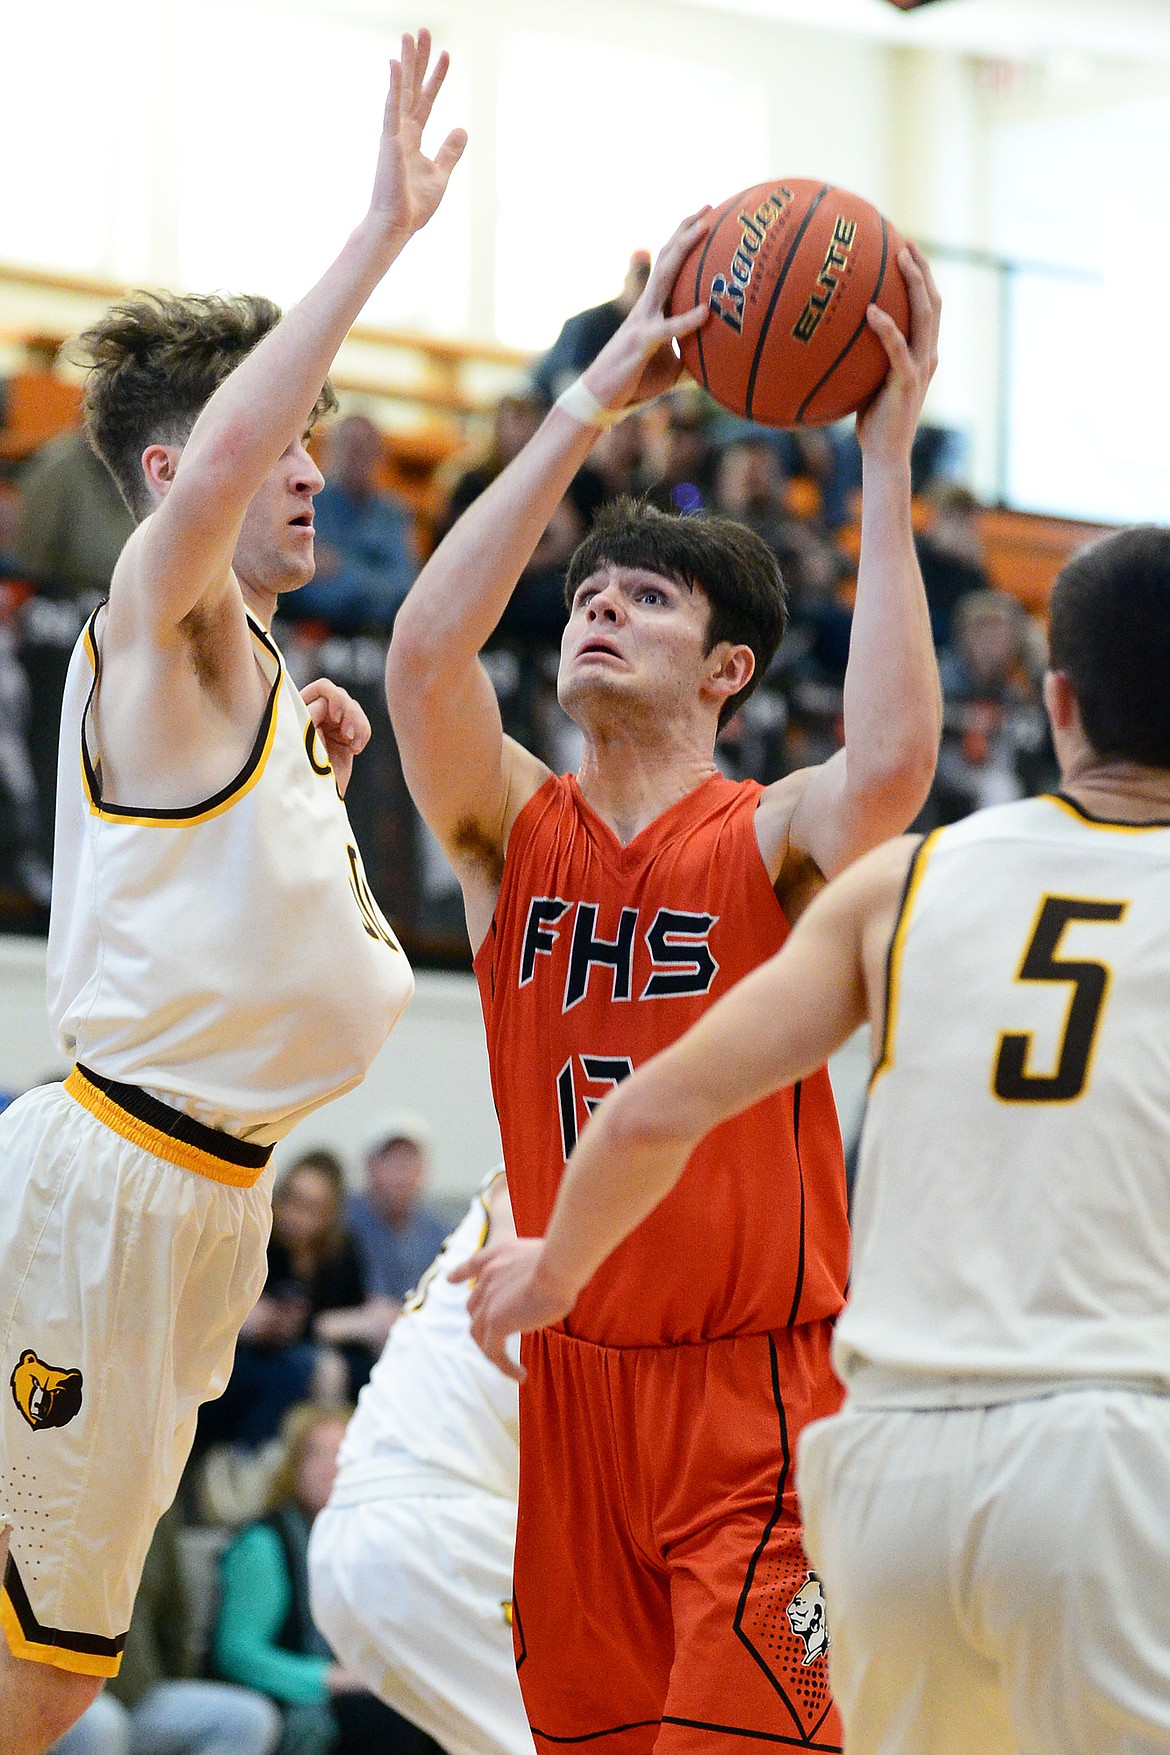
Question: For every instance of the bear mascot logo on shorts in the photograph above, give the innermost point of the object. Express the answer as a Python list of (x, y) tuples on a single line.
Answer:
[(45, 1394)]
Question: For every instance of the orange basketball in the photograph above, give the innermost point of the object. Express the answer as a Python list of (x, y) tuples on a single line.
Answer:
[(788, 269)]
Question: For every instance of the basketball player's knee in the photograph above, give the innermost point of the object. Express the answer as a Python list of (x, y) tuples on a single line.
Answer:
[(39, 1703)]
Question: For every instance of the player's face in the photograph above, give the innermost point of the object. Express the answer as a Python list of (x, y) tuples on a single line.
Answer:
[(274, 550), (635, 641)]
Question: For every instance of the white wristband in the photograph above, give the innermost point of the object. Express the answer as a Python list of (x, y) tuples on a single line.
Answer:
[(579, 401)]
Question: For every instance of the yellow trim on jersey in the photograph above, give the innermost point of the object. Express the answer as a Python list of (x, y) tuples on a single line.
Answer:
[(183, 817), (1091, 822), (894, 961), (61, 1657), (152, 1139)]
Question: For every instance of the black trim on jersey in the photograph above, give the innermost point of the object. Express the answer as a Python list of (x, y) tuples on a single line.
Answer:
[(884, 1045), (799, 1288), (1105, 822), (92, 1644), (698, 1724), (518, 1625), (781, 1483), (310, 738), (638, 1724), (159, 1115), (185, 812)]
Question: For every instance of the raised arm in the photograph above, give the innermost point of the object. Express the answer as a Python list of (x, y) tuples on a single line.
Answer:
[(466, 778), (181, 557), (875, 786), (779, 1024)]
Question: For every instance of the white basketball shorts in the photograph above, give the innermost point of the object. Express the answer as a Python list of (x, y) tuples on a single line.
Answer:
[(999, 1577), (129, 1256), (413, 1591)]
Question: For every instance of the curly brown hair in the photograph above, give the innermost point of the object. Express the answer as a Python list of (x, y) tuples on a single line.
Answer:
[(154, 360)]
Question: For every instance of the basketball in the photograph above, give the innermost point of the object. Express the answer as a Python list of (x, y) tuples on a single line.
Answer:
[(788, 269)]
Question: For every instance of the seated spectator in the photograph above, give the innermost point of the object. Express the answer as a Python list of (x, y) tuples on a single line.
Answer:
[(995, 746), (73, 522), (364, 547), (314, 1332), (397, 1235), (582, 337), (265, 1638), (750, 485), (515, 421), (951, 555), (617, 459), (680, 467), (156, 1704)]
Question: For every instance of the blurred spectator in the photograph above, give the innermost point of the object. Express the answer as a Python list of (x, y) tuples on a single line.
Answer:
[(398, 1236), (951, 555), (681, 464), (618, 458), (515, 421), (73, 522), (582, 337), (314, 1333), (995, 746), (364, 547), (22, 864), (155, 1705), (750, 485), (265, 1638)]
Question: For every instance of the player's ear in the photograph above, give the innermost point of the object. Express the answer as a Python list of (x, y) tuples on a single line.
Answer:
[(729, 669), (159, 463)]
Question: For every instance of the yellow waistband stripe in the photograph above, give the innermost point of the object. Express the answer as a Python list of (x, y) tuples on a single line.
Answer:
[(162, 1145)]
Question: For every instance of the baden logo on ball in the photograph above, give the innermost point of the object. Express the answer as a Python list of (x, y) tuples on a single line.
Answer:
[(789, 269)]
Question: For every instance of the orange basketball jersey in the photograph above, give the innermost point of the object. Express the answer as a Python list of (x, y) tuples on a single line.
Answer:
[(600, 955)]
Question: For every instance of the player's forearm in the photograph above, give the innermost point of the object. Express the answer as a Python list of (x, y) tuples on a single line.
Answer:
[(457, 600), (267, 401), (893, 701)]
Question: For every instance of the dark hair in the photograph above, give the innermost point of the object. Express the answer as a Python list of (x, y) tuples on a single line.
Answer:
[(733, 567), (154, 361), (1109, 633)]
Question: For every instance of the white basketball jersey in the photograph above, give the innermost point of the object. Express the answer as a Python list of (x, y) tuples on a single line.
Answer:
[(228, 957), (1012, 1208), (434, 1404)]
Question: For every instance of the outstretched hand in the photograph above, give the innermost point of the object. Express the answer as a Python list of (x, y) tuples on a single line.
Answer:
[(886, 426), (510, 1294), (341, 725), (638, 362), (407, 185)]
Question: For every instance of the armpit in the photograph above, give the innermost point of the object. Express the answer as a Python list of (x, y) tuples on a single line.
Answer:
[(799, 882), (471, 842)]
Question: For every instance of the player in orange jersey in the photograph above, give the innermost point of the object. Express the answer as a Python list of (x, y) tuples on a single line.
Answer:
[(658, 1548)]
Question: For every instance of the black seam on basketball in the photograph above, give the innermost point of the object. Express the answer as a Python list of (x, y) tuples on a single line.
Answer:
[(59, 1638), (776, 291), (727, 207), (848, 348), (698, 1724), (638, 1724), (799, 1287)]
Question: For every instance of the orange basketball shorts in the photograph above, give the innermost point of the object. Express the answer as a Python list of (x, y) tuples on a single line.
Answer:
[(662, 1595)]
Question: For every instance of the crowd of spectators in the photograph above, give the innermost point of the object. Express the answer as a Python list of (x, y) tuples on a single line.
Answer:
[(62, 524)]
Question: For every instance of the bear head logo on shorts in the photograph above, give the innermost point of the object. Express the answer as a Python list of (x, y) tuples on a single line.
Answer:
[(46, 1395), (806, 1617)]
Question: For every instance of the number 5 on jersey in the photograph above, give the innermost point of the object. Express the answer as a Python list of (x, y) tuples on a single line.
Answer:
[(1013, 1082)]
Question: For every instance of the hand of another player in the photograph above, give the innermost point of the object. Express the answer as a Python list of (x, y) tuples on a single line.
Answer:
[(886, 427), (407, 185), (638, 362), (510, 1294), (341, 725)]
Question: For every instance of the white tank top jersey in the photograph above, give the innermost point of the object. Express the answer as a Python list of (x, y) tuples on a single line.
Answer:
[(435, 1409), (228, 958), (1012, 1210)]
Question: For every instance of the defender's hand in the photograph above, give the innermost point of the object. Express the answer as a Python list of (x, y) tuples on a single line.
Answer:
[(639, 362), (341, 725), (886, 427), (408, 186), (510, 1294)]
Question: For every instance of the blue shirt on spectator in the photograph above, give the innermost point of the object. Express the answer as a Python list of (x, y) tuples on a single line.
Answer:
[(371, 537), (395, 1260)]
